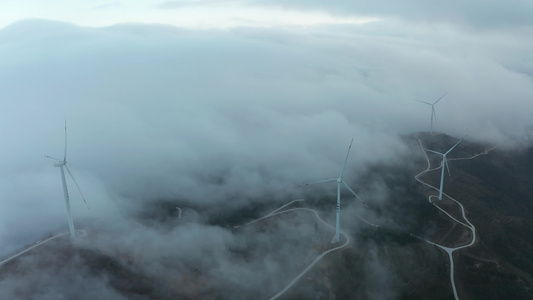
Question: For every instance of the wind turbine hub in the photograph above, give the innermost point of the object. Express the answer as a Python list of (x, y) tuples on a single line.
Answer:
[(60, 163), (339, 180)]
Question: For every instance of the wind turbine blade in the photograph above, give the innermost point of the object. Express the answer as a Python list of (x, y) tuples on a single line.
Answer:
[(424, 102), (76, 183), (65, 157), (321, 181), (346, 159), (357, 196), (350, 189), (50, 157), (433, 151), (454, 146), (440, 98)]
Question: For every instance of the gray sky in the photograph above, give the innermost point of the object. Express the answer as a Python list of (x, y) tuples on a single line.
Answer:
[(477, 14), (220, 102)]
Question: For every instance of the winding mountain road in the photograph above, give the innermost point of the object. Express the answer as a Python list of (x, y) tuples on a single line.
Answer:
[(319, 257), (81, 233), (448, 250), (278, 211), (469, 225)]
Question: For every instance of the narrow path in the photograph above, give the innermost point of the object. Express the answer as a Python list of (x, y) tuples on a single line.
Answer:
[(319, 257), (270, 214), (79, 233), (487, 260), (468, 225)]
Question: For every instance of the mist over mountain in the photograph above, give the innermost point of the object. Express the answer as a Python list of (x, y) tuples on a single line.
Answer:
[(227, 125), (156, 254)]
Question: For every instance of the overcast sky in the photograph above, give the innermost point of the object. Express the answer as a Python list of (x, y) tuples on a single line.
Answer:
[(491, 14), (224, 102)]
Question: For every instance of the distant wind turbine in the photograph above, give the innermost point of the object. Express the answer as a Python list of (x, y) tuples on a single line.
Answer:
[(444, 165), (339, 181), (433, 115), (62, 164)]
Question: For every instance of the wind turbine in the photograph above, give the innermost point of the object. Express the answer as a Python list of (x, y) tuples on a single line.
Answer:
[(444, 165), (433, 115), (339, 181), (62, 164)]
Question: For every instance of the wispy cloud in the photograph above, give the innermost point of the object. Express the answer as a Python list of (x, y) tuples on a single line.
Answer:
[(476, 14), (189, 3)]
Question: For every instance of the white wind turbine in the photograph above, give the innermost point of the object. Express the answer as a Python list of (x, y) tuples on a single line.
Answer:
[(62, 164), (433, 115), (444, 165), (339, 181)]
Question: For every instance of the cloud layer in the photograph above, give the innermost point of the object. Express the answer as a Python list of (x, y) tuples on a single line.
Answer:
[(476, 14), (157, 112), (224, 120)]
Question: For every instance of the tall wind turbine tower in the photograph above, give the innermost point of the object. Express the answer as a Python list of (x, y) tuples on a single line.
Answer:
[(339, 181), (62, 164), (444, 165), (433, 115)]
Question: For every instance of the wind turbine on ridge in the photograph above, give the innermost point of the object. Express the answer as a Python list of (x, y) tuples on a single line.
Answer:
[(444, 165), (339, 181), (433, 115), (62, 164)]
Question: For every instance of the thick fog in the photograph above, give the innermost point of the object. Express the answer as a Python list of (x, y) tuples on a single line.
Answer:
[(227, 119)]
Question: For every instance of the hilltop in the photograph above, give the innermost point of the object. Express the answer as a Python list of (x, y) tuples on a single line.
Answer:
[(388, 261)]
